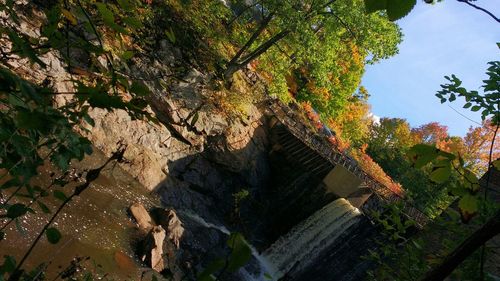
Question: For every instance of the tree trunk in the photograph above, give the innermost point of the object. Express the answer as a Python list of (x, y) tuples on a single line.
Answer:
[(264, 47), (454, 259), (230, 70), (234, 66), (252, 39)]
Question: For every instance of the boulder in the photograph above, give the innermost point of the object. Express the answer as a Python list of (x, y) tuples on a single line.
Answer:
[(169, 220), (153, 248), (141, 216)]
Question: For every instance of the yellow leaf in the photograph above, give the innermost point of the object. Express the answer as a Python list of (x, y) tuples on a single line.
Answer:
[(69, 16)]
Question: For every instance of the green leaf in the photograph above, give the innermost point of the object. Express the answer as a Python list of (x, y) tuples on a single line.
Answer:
[(89, 120), (127, 55), (472, 180), (422, 154), (62, 158), (17, 210), (139, 89), (470, 176), (60, 195), (467, 105), (475, 108), (213, 267), (375, 5), (109, 18), (397, 9), (133, 22), (125, 5), (496, 164), (9, 264), (170, 35), (16, 101), (468, 204), (44, 207), (440, 174), (53, 235), (449, 156), (458, 191), (241, 252), (10, 183), (26, 119), (106, 14)]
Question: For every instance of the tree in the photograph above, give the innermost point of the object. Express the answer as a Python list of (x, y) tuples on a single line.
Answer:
[(477, 145), (388, 144), (354, 121), (431, 133), (310, 26), (394, 133)]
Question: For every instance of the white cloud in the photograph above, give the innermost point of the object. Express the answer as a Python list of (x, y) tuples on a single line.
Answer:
[(374, 118)]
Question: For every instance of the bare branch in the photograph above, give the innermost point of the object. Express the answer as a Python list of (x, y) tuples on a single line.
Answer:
[(480, 9)]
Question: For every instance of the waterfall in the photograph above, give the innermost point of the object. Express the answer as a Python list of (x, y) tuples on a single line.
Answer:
[(304, 242), (265, 266), (299, 248), (203, 222)]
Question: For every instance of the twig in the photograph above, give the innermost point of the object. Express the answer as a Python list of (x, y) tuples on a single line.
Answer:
[(465, 116), (480, 9)]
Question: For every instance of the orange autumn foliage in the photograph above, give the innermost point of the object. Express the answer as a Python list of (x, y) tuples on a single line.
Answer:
[(432, 133), (474, 148), (312, 115), (340, 143), (477, 145)]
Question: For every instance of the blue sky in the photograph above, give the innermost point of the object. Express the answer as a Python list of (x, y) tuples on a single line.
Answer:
[(442, 39)]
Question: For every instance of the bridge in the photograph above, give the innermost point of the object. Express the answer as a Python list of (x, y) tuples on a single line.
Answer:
[(341, 174)]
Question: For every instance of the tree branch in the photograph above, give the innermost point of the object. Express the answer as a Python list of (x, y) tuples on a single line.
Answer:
[(480, 9), (478, 238)]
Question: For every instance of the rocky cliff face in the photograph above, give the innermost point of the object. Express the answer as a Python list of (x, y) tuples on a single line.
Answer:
[(196, 159)]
